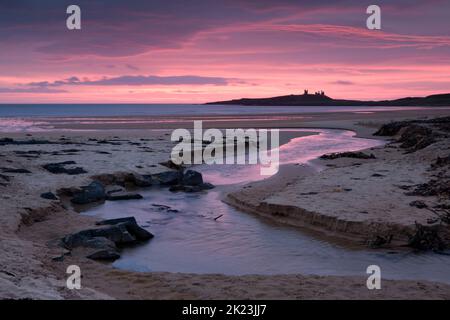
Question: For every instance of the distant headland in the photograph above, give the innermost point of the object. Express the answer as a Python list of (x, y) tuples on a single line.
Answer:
[(319, 98)]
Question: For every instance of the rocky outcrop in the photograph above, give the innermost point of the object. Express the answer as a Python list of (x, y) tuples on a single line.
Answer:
[(417, 134), (354, 155), (106, 240), (49, 196), (94, 192), (62, 168), (192, 178), (120, 196)]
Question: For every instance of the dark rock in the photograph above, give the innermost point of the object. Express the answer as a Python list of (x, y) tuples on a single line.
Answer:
[(9, 141), (171, 165), (441, 162), (391, 129), (99, 243), (439, 187), (13, 170), (123, 196), (377, 175), (89, 194), (354, 155), (416, 137), (49, 196), (427, 238), (207, 186), (5, 178), (117, 234), (191, 189), (105, 255), (168, 178), (162, 207), (418, 204), (192, 178), (61, 168), (114, 189), (112, 222), (143, 181)]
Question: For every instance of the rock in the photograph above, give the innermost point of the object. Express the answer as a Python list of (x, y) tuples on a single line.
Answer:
[(391, 129), (168, 178), (354, 155), (9, 141), (117, 234), (416, 137), (162, 207), (171, 165), (140, 233), (119, 196), (143, 181), (191, 189), (5, 178), (91, 193), (427, 238), (112, 222), (114, 189), (99, 243), (49, 196), (207, 186), (120, 231), (418, 204), (60, 168), (106, 255), (13, 170), (441, 162), (437, 187), (192, 178)]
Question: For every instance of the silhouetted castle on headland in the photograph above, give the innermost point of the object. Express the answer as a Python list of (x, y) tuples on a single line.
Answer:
[(320, 99), (317, 93)]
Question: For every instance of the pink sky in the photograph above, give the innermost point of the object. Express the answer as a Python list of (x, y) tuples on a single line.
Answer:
[(153, 52)]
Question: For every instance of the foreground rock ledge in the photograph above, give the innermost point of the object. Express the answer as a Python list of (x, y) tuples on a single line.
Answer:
[(106, 240)]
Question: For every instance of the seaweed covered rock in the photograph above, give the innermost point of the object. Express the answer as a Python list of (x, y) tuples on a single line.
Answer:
[(354, 155)]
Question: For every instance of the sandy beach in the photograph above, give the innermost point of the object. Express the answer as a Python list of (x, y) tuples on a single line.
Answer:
[(358, 202)]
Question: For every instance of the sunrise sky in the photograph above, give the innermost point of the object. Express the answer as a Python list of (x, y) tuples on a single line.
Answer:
[(179, 51)]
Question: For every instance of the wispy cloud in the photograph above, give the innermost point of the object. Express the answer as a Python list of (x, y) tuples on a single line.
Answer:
[(31, 90), (343, 82), (136, 81)]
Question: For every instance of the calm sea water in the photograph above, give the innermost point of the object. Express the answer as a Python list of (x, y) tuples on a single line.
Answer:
[(91, 110)]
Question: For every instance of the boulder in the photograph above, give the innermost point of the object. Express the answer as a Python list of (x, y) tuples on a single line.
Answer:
[(120, 231), (99, 243), (391, 129), (192, 178), (354, 155), (143, 181), (14, 170), (114, 189), (168, 178), (89, 194), (105, 255), (119, 196), (112, 222), (49, 196), (171, 165), (61, 168), (191, 189)]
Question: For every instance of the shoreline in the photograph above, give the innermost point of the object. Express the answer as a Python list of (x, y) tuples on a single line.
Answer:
[(29, 223)]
